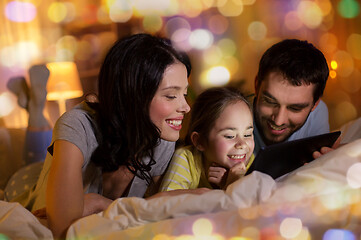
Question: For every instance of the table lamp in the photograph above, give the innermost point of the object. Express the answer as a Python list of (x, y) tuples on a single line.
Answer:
[(63, 83)]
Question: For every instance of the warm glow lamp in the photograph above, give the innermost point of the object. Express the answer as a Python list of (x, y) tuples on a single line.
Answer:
[(64, 83)]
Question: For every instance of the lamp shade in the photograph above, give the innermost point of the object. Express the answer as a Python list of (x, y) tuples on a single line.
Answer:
[(64, 82)]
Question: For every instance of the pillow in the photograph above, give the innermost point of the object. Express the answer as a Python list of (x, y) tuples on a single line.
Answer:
[(22, 180)]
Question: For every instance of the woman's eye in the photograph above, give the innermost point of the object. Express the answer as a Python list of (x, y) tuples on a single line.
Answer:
[(170, 97), (248, 135)]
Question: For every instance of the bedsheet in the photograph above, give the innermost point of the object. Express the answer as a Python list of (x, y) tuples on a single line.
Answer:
[(321, 199)]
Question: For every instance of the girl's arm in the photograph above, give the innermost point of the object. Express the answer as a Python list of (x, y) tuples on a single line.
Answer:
[(65, 201)]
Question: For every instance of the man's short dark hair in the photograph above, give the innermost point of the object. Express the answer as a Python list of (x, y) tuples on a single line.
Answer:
[(298, 61)]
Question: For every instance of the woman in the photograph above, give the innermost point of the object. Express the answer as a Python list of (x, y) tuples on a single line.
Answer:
[(121, 144)]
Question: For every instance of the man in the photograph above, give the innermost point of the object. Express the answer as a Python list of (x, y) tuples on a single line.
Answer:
[(291, 79)]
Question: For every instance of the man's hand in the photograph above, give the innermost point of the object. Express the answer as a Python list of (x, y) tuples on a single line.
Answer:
[(217, 175), (324, 150)]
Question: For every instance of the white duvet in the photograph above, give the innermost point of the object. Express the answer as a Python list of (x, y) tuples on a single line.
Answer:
[(321, 200)]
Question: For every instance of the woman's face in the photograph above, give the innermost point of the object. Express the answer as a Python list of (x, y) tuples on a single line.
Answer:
[(169, 105)]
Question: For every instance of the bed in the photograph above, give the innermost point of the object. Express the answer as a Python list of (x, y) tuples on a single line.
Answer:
[(321, 200)]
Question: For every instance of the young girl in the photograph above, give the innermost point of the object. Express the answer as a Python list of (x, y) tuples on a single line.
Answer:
[(121, 144), (220, 143)]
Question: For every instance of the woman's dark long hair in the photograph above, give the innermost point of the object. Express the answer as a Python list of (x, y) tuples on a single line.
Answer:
[(128, 80)]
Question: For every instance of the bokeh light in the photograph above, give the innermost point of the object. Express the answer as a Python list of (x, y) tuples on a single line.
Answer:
[(218, 76), (248, 2), (57, 12), (353, 45), (213, 56), (152, 23), (290, 227), (68, 42), (328, 43), (334, 64), (310, 14), (338, 234), (146, 7), (71, 12), (202, 227), (176, 23), (19, 54), (227, 46), (120, 11), (7, 57), (333, 74), (3, 237), (354, 176), (231, 63), (303, 235), (345, 63), (7, 104), (103, 15), (180, 39), (325, 6), (201, 39), (20, 11), (230, 8), (345, 111), (89, 14), (251, 233), (218, 24), (257, 30), (292, 21), (191, 8), (348, 8), (161, 237)]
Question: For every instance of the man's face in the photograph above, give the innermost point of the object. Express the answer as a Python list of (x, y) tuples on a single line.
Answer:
[(281, 108)]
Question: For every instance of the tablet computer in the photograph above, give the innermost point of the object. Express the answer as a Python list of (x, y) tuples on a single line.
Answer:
[(281, 158)]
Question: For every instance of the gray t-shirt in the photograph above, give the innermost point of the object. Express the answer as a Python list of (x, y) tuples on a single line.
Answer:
[(77, 126)]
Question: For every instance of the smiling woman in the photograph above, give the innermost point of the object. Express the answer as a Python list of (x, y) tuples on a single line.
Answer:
[(168, 106), (119, 145)]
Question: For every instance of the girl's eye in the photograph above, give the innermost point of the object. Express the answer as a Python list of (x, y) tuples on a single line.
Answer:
[(170, 97), (248, 135), (229, 137)]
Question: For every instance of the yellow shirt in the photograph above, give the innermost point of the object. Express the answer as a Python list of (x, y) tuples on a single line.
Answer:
[(186, 170)]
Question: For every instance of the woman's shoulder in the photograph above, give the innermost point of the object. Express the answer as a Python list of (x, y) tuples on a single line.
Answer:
[(79, 122), (164, 150), (80, 114)]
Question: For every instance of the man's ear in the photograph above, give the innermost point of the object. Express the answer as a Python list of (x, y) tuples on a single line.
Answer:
[(315, 105), (196, 140)]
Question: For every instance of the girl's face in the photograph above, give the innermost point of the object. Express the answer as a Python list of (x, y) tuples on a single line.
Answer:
[(230, 141), (169, 105)]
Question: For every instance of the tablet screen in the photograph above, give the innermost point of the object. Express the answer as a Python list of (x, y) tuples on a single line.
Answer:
[(281, 158)]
